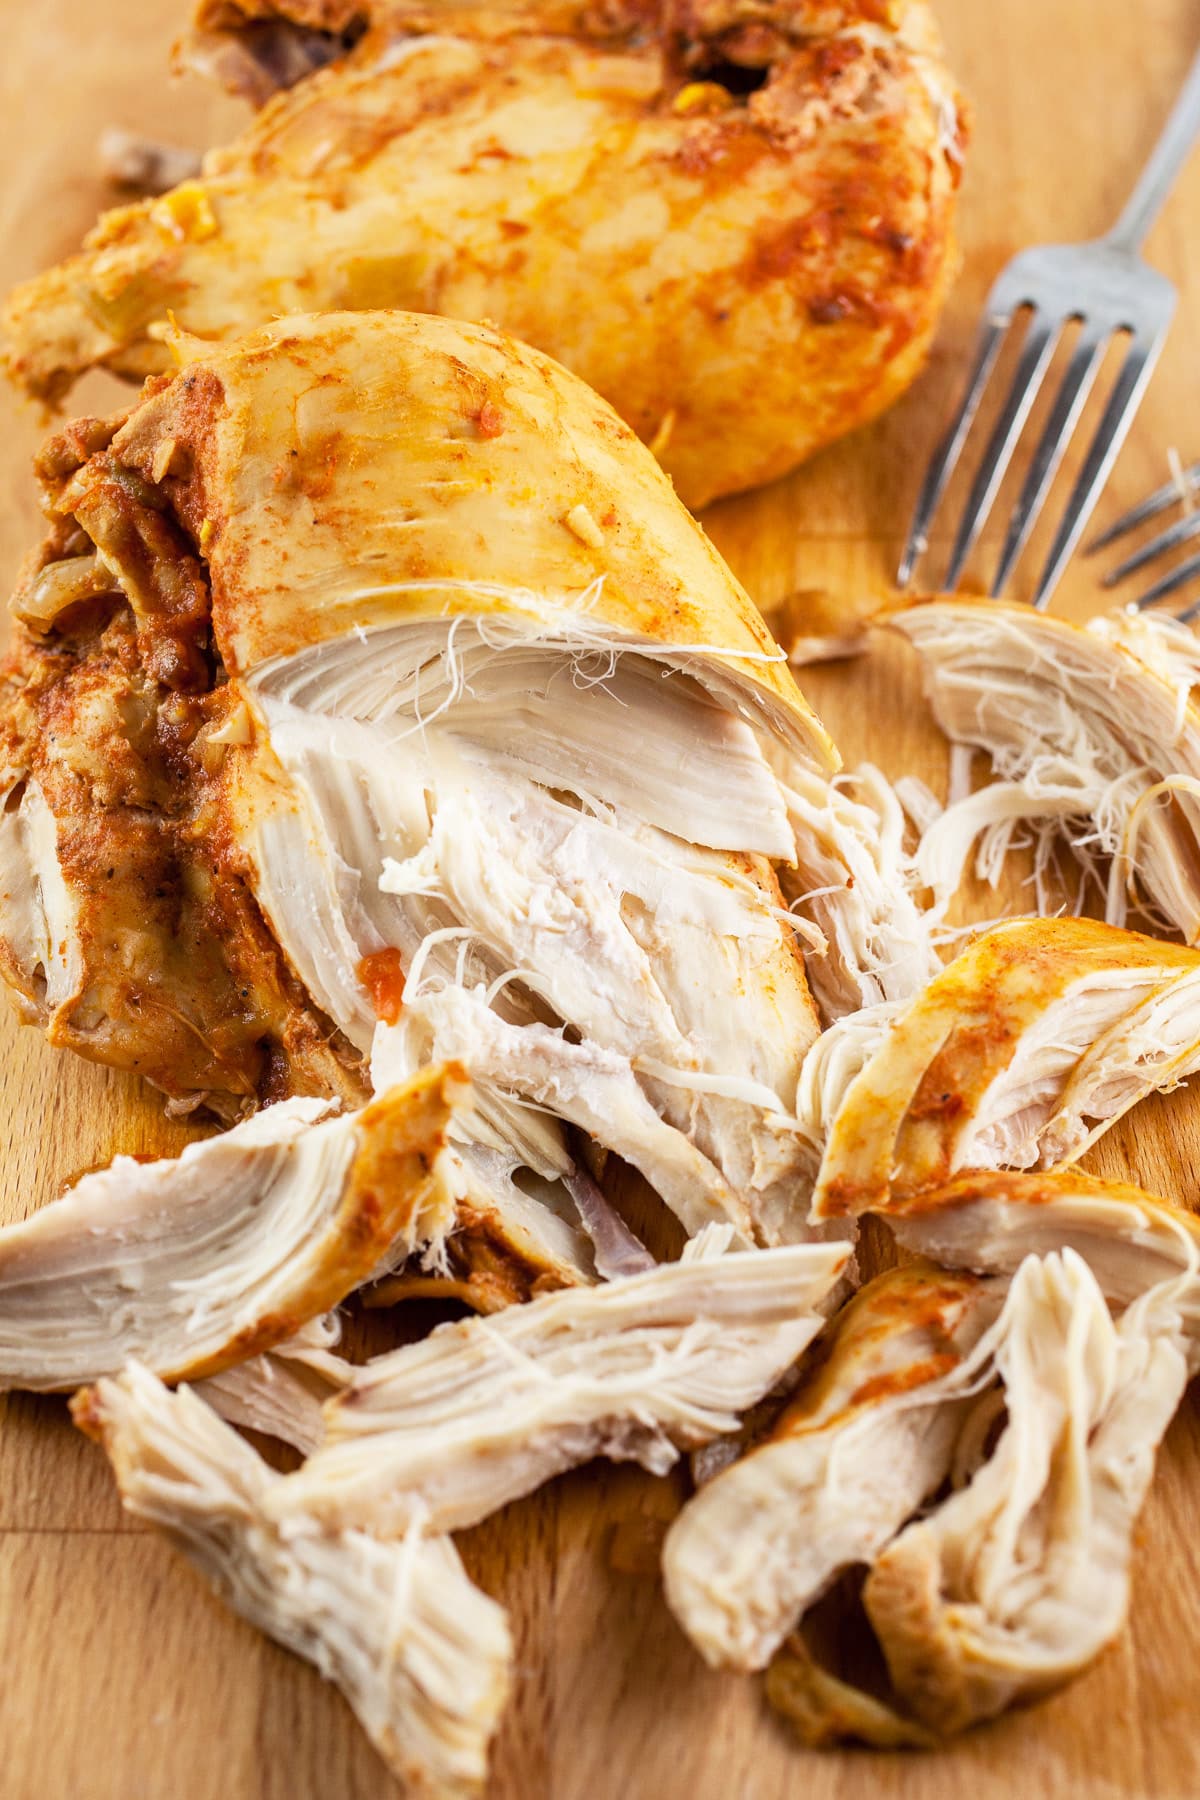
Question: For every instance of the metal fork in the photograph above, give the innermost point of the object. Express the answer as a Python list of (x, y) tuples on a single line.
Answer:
[(1106, 287), (1178, 492)]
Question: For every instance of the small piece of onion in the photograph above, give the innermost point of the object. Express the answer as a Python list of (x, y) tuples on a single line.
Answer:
[(57, 586), (237, 728)]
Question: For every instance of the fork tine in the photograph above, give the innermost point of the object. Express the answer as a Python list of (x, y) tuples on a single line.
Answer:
[(1169, 494), (1069, 402), (1174, 578), (1130, 385), (1036, 352), (1178, 533), (946, 456)]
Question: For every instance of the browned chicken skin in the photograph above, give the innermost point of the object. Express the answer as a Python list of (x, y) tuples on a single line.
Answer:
[(734, 221)]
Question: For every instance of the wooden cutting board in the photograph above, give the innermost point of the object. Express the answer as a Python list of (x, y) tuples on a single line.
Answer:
[(121, 1678)]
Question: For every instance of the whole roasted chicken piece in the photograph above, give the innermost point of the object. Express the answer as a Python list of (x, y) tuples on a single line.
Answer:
[(378, 705), (733, 220)]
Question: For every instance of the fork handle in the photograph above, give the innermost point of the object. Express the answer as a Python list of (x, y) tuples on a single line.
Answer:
[(1166, 159)]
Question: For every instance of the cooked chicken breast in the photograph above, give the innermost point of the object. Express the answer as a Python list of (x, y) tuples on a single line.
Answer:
[(830, 1068), (276, 1396), (448, 1430), (196, 1264), (991, 1222), (427, 732), (735, 223), (1020, 1054), (1046, 1419), (1019, 1579), (421, 1655), (866, 1438), (855, 880), (1095, 747)]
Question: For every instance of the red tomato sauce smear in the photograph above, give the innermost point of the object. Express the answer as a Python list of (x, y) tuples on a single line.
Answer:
[(382, 974)]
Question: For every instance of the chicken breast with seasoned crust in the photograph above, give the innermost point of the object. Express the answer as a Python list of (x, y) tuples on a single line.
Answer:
[(734, 221), (1018, 1055), (377, 704)]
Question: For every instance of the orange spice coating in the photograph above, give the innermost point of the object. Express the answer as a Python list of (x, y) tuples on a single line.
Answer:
[(733, 220)]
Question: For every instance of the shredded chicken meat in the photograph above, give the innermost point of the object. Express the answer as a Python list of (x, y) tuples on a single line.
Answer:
[(864, 1440), (855, 880), (991, 1222), (1020, 1054), (196, 1264), (1020, 1578), (452, 1428), (420, 1654), (280, 1394), (1040, 1447), (1094, 742)]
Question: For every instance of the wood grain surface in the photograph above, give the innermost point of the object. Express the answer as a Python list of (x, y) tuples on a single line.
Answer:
[(121, 1678)]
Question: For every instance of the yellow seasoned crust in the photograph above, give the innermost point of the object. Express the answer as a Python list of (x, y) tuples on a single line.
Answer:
[(346, 471), (324, 477), (733, 221), (896, 1133)]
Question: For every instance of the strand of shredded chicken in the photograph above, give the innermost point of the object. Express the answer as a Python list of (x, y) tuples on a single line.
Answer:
[(452, 1428), (856, 881), (1095, 748), (421, 1655)]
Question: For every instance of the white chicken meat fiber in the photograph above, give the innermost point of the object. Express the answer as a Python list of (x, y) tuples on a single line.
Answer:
[(830, 1067), (280, 1394), (448, 1430), (422, 1656), (597, 869), (856, 880), (168, 1260), (594, 1088), (269, 1395), (1095, 747), (37, 909), (599, 716)]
